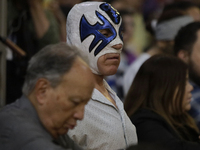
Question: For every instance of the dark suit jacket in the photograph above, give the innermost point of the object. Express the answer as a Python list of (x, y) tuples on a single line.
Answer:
[(152, 128), (21, 129)]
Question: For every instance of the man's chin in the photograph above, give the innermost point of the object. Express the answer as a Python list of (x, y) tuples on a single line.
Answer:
[(111, 72), (63, 131)]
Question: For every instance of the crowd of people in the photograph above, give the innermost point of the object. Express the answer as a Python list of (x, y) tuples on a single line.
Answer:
[(102, 75)]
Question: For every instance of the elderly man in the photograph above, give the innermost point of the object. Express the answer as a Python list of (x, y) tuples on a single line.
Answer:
[(58, 85)]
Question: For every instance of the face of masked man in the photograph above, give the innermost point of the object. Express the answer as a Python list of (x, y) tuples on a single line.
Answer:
[(84, 24)]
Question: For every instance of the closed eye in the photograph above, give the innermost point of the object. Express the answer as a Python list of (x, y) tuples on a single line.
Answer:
[(75, 101)]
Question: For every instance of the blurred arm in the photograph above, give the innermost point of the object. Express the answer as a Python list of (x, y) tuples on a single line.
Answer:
[(40, 20)]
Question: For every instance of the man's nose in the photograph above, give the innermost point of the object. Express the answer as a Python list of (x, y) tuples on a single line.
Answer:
[(117, 46), (79, 114)]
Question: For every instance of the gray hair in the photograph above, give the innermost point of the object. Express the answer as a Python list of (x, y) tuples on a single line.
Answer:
[(51, 63)]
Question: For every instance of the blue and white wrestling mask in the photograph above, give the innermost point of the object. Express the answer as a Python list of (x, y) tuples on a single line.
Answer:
[(83, 24)]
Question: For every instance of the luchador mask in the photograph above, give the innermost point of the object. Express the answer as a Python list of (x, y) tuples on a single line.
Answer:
[(83, 24)]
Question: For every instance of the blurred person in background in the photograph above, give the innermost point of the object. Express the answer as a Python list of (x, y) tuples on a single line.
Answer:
[(55, 7), (140, 37), (31, 27), (66, 5), (168, 25), (187, 48), (158, 103), (187, 7)]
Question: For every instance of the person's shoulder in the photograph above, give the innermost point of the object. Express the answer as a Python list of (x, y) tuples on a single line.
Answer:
[(133, 68), (12, 118), (145, 115), (18, 128), (9, 123), (16, 118), (10, 112), (140, 59)]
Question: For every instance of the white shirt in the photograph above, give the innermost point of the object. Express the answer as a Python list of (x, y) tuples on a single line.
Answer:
[(104, 126), (132, 70)]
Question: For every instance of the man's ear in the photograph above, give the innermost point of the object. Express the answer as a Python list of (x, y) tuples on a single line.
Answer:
[(183, 55), (41, 90)]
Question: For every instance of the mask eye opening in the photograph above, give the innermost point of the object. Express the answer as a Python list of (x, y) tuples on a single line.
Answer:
[(106, 32)]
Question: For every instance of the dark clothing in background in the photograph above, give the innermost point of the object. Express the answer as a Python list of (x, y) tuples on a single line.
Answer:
[(21, 31), (152, 128)]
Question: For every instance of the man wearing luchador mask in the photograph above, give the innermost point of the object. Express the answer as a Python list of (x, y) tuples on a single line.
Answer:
[(95, 29)]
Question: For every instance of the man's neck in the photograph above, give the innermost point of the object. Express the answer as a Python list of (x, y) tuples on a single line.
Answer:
[(99, 85)]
